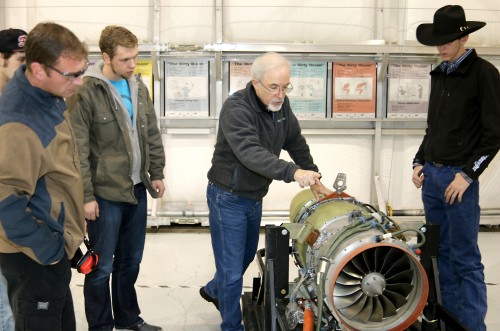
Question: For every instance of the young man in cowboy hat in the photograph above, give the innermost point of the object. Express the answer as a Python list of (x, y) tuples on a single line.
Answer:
[(461, 139)]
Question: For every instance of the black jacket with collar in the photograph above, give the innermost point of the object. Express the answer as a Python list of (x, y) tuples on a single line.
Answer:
[(249, 142), (463, 123)]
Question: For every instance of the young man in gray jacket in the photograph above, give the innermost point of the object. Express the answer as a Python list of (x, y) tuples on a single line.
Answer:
[(121, 156)]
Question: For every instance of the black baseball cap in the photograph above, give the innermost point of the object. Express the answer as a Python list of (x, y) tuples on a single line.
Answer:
[(12, 40)]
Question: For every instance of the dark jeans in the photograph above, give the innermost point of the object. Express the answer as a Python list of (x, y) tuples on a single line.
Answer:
[(39, 295), (234, 229), (118, 237), (461, 273)]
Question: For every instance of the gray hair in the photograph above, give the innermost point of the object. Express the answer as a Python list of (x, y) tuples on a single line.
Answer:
[(267, 62)]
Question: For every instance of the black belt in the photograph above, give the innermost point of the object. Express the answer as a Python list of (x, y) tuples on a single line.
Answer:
[(439, 165)]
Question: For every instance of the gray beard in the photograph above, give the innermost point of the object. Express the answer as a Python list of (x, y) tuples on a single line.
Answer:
[(272, 108)]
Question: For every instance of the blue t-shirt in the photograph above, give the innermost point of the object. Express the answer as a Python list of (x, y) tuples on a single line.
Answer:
[(124, 90)]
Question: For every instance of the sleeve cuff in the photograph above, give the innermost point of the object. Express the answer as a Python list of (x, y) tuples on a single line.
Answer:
[(416, 164), (466, 177)]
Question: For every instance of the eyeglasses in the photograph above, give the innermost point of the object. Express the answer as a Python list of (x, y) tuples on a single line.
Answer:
[(275, 89), (70, 75)]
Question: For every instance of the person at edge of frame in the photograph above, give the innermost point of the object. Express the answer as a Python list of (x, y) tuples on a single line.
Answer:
[(255, 125), (41, 191), (461, 139), (12, 56)]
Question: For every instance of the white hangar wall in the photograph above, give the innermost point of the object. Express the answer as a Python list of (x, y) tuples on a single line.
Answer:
[(376, 160), (186, 22)]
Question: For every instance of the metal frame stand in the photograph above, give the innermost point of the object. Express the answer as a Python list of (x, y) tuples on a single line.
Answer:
[(436, 317), (264, 307)]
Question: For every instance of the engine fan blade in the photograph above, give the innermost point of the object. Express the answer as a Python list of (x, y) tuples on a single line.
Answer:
[(341, 290), (348, 300), (380, 254), (347, 279), (378, 311), (369, 259), (392, 256), (400, 288), (397, 299), (353, 309), (387, 305), (402, 277), (398, 266), (352, 270), (359, 262), (364, 315)]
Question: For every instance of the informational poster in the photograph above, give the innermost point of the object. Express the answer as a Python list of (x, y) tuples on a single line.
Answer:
[(354, 89), (187, 88), (408, 90), (308, 97), (239, 75), (144, 68)]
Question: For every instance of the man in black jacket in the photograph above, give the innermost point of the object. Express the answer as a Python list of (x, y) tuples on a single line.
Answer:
[(256, 124), (461, 139)]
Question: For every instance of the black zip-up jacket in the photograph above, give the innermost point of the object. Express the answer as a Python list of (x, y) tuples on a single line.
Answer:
[(463, 123), (249, 142)]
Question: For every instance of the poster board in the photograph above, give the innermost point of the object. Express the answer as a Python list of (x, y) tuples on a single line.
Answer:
[(408, 90), (144, 68), (239, 75), (187, 88), (309, 80), (354, 89), (308, 97)]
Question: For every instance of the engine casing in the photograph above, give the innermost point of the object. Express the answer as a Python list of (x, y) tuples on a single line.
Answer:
[(369, 279)]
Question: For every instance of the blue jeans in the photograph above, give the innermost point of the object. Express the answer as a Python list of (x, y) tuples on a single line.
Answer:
[(461, 273), (118, 237), (6, 318), (234, 229)]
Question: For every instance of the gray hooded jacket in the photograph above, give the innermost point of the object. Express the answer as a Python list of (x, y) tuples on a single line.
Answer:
[(114, 154)]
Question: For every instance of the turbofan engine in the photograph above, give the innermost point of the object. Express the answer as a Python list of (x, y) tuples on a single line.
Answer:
[(357, 268)]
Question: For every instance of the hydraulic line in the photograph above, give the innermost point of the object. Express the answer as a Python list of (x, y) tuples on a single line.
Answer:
[(308, 317)]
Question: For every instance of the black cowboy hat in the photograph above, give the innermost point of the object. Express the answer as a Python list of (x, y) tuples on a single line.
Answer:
[(449, 24)]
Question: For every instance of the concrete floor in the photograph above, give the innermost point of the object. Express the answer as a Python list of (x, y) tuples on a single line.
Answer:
[(178, 260)]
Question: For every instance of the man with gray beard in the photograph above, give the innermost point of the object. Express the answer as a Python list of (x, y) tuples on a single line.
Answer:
[(255, 125)]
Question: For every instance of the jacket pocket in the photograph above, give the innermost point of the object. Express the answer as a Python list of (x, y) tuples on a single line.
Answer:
[(106, 129)]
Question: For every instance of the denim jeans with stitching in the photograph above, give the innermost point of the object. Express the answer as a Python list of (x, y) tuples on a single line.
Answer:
[(6, 318), (461, 272), (117, 236), (234, 229)]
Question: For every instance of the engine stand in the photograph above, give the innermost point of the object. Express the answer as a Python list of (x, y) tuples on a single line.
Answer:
[(264, 307)]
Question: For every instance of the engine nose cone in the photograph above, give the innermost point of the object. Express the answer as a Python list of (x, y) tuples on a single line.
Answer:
[(373, 284)]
